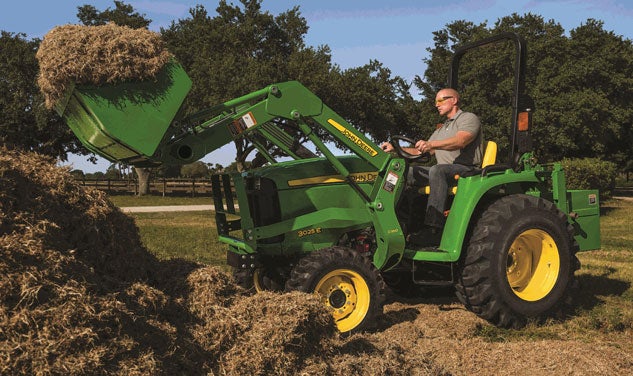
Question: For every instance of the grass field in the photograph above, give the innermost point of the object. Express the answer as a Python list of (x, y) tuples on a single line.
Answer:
[(188, 235), (129, 200)]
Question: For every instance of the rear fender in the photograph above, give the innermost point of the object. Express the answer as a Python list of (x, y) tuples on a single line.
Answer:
[(470, 192)]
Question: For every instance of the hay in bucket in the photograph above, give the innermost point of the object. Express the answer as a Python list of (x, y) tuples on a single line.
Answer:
[(97, 55)]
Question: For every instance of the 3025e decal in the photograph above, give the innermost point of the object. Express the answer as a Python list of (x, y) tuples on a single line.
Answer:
[(310, 231)]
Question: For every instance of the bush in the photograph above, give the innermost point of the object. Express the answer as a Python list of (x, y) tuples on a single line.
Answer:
[(590, 173)]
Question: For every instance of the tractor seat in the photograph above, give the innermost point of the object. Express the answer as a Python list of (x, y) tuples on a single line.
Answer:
[(489, 159)]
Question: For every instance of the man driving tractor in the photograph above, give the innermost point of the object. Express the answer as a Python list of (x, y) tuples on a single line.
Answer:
[(457, 146)]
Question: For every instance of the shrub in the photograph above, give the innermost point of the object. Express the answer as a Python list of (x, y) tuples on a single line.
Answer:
[(590, 173)]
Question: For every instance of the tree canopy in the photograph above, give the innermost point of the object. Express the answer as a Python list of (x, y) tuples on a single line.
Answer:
[(242, 49), (580, 81), (581, 85), (197, 169), (122, 14), (25, 122)]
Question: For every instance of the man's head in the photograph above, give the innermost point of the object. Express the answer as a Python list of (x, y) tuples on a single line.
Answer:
[(447, 102)]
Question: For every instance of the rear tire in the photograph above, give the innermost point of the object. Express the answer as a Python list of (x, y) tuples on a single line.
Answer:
[(348, 283), (520, 262)]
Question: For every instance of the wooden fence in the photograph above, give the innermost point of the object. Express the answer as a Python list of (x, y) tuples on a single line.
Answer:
[(157, 186)]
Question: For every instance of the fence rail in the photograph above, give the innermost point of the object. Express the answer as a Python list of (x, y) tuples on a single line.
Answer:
[(157, 186)]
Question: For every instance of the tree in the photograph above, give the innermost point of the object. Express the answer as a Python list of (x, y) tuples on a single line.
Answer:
[(78, 174), (167, 171), (25, 122), (628, 168), (122, 14), (113, 172), (196, 169), (240, 50), (215, 168), (375, 102), (243, 49), (581, 85), (599, 75)]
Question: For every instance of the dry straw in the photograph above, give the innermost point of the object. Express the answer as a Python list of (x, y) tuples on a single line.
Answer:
[(79, 294), (97, 55)]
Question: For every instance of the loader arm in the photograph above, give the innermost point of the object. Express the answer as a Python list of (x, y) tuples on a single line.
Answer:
[(252, 116), (102, 119)]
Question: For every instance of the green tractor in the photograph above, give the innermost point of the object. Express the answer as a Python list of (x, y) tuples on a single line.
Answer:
[(336, 225)]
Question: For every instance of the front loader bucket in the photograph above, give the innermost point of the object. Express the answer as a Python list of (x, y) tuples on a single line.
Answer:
[(127, 121)]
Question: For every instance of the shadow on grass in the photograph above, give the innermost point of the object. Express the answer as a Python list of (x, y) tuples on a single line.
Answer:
[(438, 295), (592, 287), (605, 210), (586, 297)]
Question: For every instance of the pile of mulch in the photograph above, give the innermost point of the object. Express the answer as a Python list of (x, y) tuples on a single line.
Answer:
[(97, 55), (81, 295)]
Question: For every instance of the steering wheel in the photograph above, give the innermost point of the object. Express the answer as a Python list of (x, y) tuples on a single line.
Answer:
[(395, 141)]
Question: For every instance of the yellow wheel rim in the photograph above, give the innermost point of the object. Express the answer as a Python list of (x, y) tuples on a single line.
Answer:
[(257, 282), (533, 265), (346, 293)]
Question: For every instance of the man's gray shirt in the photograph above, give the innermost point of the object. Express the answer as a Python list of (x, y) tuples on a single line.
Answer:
[(470, 155)]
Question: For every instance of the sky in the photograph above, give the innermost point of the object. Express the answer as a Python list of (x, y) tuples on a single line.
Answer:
[(396, 32)]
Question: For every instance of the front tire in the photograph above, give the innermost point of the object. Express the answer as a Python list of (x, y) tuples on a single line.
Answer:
[(258, 279), (347, 282), (520, 262)]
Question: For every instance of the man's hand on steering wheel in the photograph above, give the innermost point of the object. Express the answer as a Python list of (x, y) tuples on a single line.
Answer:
[(395, 143)]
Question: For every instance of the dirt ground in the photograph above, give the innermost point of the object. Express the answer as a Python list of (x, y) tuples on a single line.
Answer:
[(80, 295)]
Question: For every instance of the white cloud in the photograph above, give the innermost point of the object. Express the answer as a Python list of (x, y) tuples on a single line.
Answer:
[(162, 7), (397, 9), (614, 7)]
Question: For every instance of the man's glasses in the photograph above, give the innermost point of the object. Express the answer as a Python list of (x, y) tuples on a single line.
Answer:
[(442, 100)]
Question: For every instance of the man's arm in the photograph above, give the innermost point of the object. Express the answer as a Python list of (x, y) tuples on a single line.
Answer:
[(388, 147), (459, 141)]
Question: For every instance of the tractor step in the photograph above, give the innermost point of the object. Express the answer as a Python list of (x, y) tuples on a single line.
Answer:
[(433, 273)]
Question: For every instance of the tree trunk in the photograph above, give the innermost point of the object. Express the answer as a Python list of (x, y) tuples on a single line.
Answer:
[(143, 180), (240, 155)]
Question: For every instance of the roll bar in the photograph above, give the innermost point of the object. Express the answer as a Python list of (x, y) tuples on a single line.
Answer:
[(521, 102)]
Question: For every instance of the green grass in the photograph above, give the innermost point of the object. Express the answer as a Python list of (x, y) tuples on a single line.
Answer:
[(128, 200), (616, 226), (188, 235)]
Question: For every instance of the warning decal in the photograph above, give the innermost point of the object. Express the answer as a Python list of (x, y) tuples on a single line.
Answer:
[(390, 182), (249, 120), (240, 125)]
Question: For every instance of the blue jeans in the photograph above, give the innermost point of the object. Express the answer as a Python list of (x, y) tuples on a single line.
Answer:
[(437, 178)]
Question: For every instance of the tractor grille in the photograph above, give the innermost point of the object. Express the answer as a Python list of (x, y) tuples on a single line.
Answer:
[(263, 203), (224, 204)]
